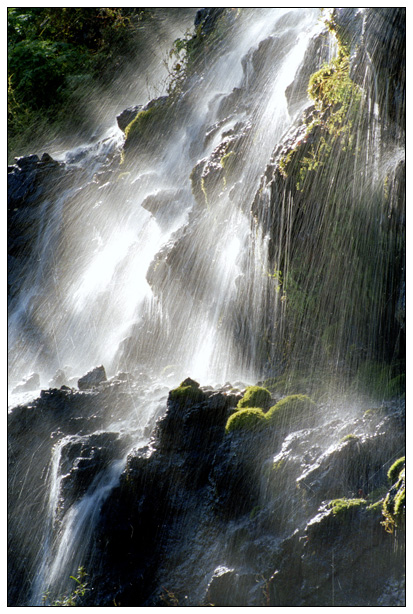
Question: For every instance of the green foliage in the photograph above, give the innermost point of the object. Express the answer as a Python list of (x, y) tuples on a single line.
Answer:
[(54, 56), (75, 597), (293, 409), (380, 380), (394, 505), (393, 473), (187, 392), (249, 419), (38, 70), (344, 509), (337, 102), (255, 396)]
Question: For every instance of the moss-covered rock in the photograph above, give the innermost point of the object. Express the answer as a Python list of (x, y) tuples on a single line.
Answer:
[(249, 419), (344, 508), (394, 505), (255, 396), (394, 472), (187, 393), (292, 410)]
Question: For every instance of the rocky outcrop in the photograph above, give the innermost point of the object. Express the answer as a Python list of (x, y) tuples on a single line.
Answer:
[(243, 519)]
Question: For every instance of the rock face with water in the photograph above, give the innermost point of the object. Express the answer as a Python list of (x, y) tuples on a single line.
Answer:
[(230, 519), (243, 231)]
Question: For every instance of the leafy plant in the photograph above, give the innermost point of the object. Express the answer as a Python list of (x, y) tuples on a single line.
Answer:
[(75, 597)]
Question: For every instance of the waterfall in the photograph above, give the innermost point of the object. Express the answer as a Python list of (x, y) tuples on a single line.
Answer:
[(96, 241), (190, 253)]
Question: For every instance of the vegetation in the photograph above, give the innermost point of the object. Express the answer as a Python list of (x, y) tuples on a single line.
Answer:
[(255, 396), (349, 437), (54, 56), (75, 597), (292, 410), (249, 419), (393, 473), (295, 408), (394, 504), (145, 128), (187, 392), (379, 380), (344, 509)]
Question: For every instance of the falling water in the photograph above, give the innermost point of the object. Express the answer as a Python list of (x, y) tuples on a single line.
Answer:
[(136, 270)]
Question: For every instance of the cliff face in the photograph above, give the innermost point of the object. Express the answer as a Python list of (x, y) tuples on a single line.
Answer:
[(287, 264)]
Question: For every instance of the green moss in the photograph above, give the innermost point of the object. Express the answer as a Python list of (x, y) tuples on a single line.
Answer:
[(349, 437), (187, 392), (379, 380), (141, 124), (255, 396), (394, 471), (227, 161), (336, 101), (249, 419), (394, 504), (294, 409), (344, 508), (279, 465), (400, 502), (375, 507), (372, 412)]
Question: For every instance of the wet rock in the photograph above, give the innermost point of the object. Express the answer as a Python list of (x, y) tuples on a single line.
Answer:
[(165, 205), (128, 115), (227, 588), (82, 460), (59, 379), (206, 19), (317, 53), (92, 378), (32, 382)]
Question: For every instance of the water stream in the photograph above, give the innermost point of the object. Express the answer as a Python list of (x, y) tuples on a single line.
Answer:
[(118, 278)]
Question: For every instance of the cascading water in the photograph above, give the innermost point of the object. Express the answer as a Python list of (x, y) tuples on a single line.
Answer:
[(145, 260)]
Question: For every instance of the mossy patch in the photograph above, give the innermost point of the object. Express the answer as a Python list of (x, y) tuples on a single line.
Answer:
[(292, 410), (349, 437), (344, 509), (250, 419), (188, 392), (394, 505), (393, 473), (379, 380), (147, 129), (255, 396)]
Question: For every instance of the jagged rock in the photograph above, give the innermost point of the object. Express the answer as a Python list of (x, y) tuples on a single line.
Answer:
[(32, 382), (58, 380), (129, 114), (81, 462), (92, 379)]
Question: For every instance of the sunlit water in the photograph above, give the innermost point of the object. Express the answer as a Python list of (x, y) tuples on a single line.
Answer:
[(114, 284)]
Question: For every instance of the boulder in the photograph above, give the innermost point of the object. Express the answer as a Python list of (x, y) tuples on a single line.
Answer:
[(128, 115), (92, 378)]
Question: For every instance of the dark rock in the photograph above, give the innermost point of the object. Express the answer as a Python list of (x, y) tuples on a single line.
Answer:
[(92, 378), (227, 588), (206, 18), (82, 460), (128, 115)]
